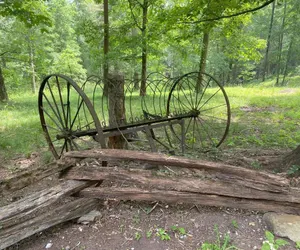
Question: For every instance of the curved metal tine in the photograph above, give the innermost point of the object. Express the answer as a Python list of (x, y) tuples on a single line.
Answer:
[(203, 92), (55, 103), (61, 101), (161, 93), (155, 86), (129, 89), (166, 91)]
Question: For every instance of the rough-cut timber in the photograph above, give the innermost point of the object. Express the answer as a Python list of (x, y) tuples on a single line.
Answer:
[(32, 175), (245, 189), (68, 211), (138, 194), (26, 208), (227, 171)]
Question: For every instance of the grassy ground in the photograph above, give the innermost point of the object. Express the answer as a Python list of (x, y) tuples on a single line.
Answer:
[(263, 116)]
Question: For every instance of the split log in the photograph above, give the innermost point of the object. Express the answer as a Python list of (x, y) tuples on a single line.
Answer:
[(66, 212), (28, 176), (189, 198), (226, 171), (237, 189), (27, 207)]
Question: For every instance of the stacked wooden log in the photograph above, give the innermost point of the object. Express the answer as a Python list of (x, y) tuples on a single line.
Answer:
[(179, 180)]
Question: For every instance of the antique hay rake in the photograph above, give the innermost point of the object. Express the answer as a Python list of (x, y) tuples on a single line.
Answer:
[(182, 113)]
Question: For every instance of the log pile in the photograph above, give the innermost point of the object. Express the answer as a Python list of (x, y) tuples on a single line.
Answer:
[(181, 181)]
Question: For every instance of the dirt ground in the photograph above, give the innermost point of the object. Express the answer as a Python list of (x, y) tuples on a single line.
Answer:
[(157, 226)]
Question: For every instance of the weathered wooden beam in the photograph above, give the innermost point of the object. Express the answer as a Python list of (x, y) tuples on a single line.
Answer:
[(26, 208), (138, 194), (31, 175), (63, 213), (241, 189), (160, 159)]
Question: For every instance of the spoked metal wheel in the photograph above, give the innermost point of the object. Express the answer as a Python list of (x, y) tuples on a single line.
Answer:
[(67, 116), (207, 105)]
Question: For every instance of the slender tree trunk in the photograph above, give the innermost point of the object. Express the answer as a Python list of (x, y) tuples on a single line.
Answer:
[(144, 48), (136, 80), (266, 61), (105, 48), (205, 43), (287, 61), (32, 68), (280, 45), (3, 92)]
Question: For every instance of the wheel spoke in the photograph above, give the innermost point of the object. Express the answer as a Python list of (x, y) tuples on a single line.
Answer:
[(76, 115), (209, 98), (205, 130), (203, 110), (203, 92), (52, 119), (51, 107), (61, 102), (55, 103)]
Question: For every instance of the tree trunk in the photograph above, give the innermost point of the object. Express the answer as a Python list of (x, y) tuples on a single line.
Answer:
[(280, 45), (265, 68), (32, 68), (3, 92), (291, 159), (136, 80), (105, 48), (287, 61), (144, 48), (203, 58), (116, 108)]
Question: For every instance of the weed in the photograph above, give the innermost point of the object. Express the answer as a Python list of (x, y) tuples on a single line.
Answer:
[(271, 244), (234, 224), (149, 234), (256, 165), (298, 245), (137, 236), (136, 218), (162, 234), (294, 170), (179, 230), (218, 245)]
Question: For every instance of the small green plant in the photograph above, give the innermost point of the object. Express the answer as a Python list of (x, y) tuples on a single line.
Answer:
[(234, 224), (137, 236), (298, 245), (294, 170), (256, 165), (219, 244), (271, 244), (179, 230), (136, 218), (162, 234), (149, 234)]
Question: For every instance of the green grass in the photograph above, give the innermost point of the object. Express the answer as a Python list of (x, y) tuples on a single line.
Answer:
[(20, 129)]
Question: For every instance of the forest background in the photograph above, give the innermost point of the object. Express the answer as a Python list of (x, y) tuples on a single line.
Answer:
[(238, 42)]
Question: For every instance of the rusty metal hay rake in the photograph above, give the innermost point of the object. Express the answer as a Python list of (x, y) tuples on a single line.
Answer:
[(189, 117)]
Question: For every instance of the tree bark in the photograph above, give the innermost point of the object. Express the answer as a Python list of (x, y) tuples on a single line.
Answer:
[(280, 45), (285, 72), (202, 68), (116, 108), (105, 48), (32, 68), (144, 48), (136, 80), (265, 68), (3, 92)]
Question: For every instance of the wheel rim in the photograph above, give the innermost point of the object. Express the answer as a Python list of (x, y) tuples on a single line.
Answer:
[(208, 125), (67, 115)]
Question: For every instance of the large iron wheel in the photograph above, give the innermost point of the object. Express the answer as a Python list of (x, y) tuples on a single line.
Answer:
[(206, 103), (68, 118)]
